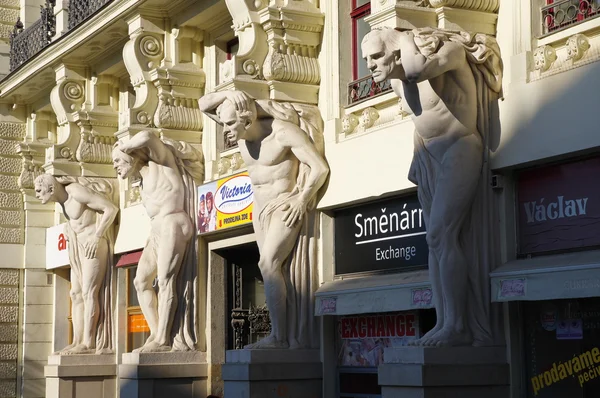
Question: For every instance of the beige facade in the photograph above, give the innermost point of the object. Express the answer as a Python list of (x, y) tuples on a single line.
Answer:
[(132, 65)]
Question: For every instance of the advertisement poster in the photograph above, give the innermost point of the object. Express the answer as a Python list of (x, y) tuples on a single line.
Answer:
[(361, 339), (57, 253), (225, 203)]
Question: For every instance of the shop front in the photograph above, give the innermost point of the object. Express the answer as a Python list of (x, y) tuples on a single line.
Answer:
[(554, 284), (379, 296)]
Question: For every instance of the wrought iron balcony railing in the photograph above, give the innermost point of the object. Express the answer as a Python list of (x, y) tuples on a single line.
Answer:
[(25, 43), (80, 10), (560, 14), (365, 88)]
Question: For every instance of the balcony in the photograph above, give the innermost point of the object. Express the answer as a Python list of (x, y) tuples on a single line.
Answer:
[(80, 10), (25, 43), (365, 88), (561, 14)]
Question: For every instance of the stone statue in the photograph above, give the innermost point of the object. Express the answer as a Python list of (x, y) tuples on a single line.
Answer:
[(89, 207), (447, 81), (282, 146), (170, 171)]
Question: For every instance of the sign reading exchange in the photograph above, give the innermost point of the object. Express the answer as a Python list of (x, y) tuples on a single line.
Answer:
[(380, 236), (559, 207)]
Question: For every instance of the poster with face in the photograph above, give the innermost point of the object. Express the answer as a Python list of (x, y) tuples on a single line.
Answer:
[(207, 213)]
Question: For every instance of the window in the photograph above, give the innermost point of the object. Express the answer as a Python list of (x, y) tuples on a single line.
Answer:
[(560, 14), (363, 86), (232, 47), (137, 327), (562, 355)]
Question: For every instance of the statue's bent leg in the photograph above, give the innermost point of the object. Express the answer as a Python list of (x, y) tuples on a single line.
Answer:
[(455, 189), (176, 231), (144, 278), (76, 312), (436, 284), (93, 272), (277, 244)]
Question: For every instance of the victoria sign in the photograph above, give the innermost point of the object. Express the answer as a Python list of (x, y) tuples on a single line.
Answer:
[(380, 236), (225, 203), (559, 207)]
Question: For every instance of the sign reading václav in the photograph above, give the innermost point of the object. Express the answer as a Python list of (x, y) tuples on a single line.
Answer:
[(380, 236)]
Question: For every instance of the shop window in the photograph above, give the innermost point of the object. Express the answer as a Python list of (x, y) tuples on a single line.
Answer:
[(562, 348), (363, 86), (360, 341), (560, 14), (138, 330)]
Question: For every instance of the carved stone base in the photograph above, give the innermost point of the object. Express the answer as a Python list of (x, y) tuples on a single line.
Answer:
[(273, 373), (81, 376), (461, 372), (169, 374)]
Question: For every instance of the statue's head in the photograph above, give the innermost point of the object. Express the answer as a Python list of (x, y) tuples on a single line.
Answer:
[(381, 50), (45, 185), (125, 165), (235, 123)]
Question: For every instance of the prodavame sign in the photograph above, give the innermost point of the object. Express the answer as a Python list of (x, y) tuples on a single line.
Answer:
[(225, 203), (380, 236), (559, 207)]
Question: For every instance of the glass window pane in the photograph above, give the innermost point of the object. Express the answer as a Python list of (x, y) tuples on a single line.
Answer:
[(362, 2), (132, 300), (362, 28)]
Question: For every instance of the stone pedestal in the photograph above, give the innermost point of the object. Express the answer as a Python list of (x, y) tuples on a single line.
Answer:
[(81, 376), (273, 374), (452, 372), (168, 374)]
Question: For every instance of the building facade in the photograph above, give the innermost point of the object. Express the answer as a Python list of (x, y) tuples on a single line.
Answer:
[(79, 75)]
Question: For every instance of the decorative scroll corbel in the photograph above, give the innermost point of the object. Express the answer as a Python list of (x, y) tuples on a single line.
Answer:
[(577, 45), (66, 98), (141, 54)]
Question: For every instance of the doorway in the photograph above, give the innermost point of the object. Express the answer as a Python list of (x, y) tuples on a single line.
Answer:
[(248, 317)]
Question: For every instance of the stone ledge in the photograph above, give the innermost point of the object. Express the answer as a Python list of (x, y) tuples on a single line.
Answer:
[(446, 355), (444, 392), (82, 360), (417, 375), (164, 371), (71, 371), (271, 371), (163, 358), (272, 356)]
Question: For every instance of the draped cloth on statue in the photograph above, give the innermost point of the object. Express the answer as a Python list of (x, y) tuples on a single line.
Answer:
[(184, 332), (104, 332), (477, 237), (300, 268)]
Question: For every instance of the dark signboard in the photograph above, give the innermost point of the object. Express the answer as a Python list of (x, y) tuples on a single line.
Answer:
[(559, 207), (380, 236)]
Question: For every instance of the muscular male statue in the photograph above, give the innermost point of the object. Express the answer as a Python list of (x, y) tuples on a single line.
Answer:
[(447, 80), (287, 168), (88, 207), (168, 170)]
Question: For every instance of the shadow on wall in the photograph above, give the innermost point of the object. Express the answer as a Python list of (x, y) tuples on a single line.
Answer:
[(549, 117)]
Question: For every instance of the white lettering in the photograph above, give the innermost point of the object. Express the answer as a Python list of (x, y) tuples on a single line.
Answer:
[(539, 211), (390, 253)]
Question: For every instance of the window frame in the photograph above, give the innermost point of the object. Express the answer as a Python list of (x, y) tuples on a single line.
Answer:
[(356, 14), (578, 19)]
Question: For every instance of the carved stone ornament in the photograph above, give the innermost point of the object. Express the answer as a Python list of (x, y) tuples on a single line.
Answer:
[(91, 237), (173, 323), (453, 213), (285, 212), (223, 166), (368, 118), (237, 162), (544, 57), (349, 123), (577, 45), (476, 5)]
